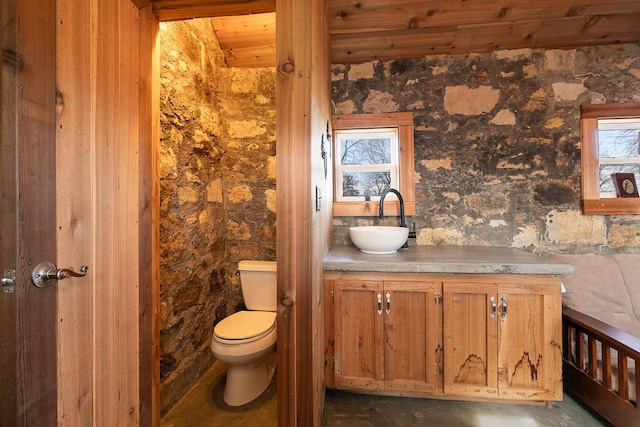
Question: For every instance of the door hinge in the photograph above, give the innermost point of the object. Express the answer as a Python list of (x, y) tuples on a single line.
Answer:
[(437, 298), (332, 297), (9, 281)]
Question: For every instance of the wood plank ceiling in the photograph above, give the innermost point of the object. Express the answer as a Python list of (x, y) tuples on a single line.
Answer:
[(364, 30)]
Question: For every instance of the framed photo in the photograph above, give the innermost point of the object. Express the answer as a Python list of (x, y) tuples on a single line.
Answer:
[(625, 184)]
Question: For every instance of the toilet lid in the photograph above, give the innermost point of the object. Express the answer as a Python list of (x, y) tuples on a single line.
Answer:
[(245, 324)]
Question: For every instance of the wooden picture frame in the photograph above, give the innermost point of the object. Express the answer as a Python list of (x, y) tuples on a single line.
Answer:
[(625, 184)]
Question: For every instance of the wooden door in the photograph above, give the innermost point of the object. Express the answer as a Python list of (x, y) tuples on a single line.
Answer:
[(27, 212), (359, 349), (470, 339), (413, 336), (103, 136), (69, 162), (529, 350)]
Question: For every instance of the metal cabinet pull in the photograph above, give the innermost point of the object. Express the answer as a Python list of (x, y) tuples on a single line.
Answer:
[(388, 310), (379, 303), (437, 298), (503, 312), (492, 314), (45, 272)]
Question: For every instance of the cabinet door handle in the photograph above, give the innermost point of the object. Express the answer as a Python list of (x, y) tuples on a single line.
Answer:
[(388, 303), (503, 312), (492, 314), (379, 303)]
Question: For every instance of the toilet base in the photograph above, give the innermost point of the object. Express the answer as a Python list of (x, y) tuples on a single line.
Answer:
[(247, 382)]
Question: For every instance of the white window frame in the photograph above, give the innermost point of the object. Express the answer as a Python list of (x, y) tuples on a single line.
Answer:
[(392, 167), (615, 124)]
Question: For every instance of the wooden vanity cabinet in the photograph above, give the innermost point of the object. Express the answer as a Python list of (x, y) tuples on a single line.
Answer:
[(387, 334), (445, 336), (502, 338)]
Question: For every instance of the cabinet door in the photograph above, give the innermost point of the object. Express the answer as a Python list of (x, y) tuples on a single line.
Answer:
[(359, 350), (529, 342), (470, 339), (412, 336)]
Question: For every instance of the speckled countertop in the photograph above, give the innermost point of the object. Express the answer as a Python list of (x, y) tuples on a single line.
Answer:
[(446, 260)]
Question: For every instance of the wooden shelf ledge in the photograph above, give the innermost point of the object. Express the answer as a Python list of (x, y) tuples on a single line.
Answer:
[(617, 206)]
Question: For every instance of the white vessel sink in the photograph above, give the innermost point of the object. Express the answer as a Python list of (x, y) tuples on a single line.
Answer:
[(378, 239)]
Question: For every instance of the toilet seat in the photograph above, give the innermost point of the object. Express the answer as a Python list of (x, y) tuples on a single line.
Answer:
[(245, 327)]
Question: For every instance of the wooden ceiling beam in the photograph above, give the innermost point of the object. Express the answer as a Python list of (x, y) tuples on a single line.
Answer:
[(387, 45), (177, 10), (565, 33), (378, 15), (571, 32)]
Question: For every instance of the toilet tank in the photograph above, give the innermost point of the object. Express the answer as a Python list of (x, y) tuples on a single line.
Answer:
[(258, 280)]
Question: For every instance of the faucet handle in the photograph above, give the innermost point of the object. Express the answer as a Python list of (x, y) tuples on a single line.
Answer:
[(412, 232)]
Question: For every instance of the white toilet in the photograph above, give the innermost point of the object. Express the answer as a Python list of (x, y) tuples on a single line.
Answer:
[(246, 340)]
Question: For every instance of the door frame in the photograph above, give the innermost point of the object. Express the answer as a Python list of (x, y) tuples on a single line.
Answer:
[(303, 236), (149, 225)]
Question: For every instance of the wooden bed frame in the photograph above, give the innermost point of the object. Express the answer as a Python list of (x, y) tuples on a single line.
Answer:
[(580, 366)]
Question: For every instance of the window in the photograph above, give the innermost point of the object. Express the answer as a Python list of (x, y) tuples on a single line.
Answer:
[(618, 151), (367, 163), (610, 144), (373, 152)]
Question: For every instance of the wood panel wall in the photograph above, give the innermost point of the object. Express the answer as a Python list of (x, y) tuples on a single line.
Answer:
[(303, 234), (322, 188)]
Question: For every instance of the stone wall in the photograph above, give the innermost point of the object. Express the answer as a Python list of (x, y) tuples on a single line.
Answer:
[(497, 143), (249, 165), (217, 172)]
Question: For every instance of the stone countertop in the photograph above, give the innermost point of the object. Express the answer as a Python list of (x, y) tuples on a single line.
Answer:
[(445, 260)]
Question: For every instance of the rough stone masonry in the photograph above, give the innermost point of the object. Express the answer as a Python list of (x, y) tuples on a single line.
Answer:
[(217, 195), (497, 143)]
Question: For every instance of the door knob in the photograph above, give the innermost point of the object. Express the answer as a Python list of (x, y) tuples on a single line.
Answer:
[(45, 272)]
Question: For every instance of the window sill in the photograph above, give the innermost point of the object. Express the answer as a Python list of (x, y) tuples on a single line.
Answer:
[(391, 208), (613, 206)]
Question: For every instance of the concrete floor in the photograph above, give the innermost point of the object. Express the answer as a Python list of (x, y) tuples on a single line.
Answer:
[(203, 406)]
